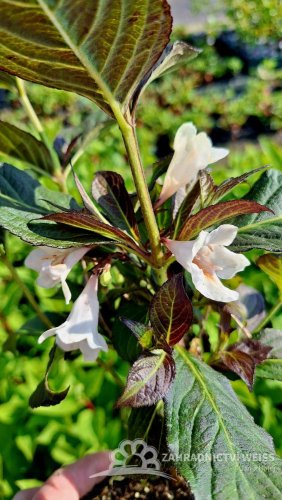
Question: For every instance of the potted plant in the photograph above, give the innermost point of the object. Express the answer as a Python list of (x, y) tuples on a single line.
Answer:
[(184, 240)]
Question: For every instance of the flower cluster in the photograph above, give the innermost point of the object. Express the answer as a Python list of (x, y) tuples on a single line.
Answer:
[(207, 259)]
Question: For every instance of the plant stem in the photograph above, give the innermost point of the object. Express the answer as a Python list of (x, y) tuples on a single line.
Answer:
[(26, 291), (269, 316), (36, 122), (131, 145)]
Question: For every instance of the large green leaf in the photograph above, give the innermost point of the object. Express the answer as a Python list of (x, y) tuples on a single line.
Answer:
[(23, 200), (216, 444), (262, 230), (99, 49), (21, 145)]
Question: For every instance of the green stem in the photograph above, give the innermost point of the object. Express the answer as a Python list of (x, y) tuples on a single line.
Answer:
[(26, 291), (36, 123), (270, 315), (131, 145)]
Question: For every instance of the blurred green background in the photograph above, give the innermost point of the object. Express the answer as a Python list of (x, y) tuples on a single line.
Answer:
[(233, 91)]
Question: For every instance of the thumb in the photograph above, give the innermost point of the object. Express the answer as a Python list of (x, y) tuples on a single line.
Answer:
[(71, 482)]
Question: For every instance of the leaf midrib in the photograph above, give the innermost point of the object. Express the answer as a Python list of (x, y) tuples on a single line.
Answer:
[(213, 404), (115, 106), (268, 220)]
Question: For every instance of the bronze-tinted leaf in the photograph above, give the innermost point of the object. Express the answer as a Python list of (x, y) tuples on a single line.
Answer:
[(215, 214), (148, 380), (243, 357), (99, 49), (109, 190), (226, 186), (91, 223), (171, 311), (174, 56)]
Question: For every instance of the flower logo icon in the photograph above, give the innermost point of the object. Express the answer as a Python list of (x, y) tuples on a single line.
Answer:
[(131, 452), (134, 457)]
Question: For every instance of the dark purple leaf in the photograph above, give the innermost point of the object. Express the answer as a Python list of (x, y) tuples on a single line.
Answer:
[(243, 357), (90, 222), (109, 191), (148, 380), (171, 311)]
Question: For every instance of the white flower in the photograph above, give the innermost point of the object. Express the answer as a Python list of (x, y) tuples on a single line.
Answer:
[(192, 153), (80, 330), (54, 265), (208, 261)]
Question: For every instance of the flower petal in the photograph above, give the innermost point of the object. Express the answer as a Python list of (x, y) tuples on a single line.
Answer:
[(36, 257), (66, 290), (184, 135), (75, 256), (217, 154), (230, 263), (182, 250), (223, 235), (80, 330), (211, 287)]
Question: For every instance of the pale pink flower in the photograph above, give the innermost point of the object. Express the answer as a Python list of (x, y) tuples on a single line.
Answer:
[(54, 265), (192, 152), (80, 330), (208, 261)]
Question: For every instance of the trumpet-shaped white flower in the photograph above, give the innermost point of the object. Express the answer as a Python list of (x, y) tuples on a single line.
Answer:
[(80, 330), (208, 261), (54, 265), (192, 153)]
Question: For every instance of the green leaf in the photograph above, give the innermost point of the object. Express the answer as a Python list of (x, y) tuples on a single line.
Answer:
[(262, 230), (143, 333), (23, 201), (148, 380), (109, 191), (90, 223), (23, 146), (216, 444), (215, 214), (43, 395), (101, 50), (171, 311)]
